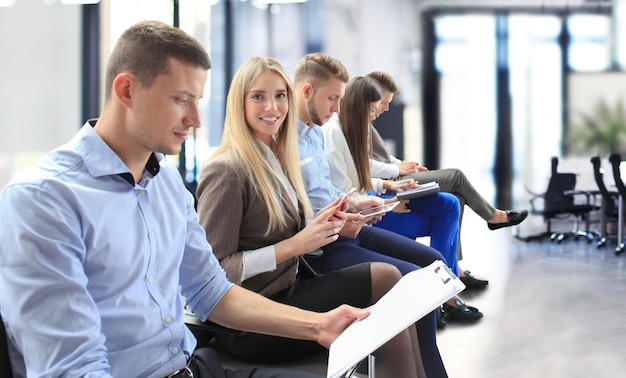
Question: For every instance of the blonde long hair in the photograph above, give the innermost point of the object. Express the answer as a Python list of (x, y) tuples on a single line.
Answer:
[(241, 144)]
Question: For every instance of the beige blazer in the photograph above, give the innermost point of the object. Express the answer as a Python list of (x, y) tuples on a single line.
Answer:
[(235, 219)]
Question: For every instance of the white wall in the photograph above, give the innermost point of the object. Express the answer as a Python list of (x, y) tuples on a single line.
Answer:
[(39, 81), (374, 35)]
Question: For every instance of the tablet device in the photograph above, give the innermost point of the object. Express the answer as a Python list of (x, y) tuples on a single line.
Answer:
[(425, 190), (379, 209)]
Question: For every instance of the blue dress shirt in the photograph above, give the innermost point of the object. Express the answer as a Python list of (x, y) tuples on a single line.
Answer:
[(314, 167), (95, 270)]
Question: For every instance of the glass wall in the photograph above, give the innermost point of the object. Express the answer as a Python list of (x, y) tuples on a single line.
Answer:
[(255, 28), (536, 97), (465, 57), (194, 17), (40, 90)]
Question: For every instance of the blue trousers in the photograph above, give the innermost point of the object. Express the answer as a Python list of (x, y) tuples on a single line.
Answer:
[(436, 216), (379, 245)]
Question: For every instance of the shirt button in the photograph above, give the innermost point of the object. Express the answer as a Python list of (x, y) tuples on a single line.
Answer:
[(149, 279), (167, 320), (174, 350), (151, 235), (142, 192)]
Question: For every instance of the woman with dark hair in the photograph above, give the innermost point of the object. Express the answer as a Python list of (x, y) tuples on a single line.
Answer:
[(348, 146)]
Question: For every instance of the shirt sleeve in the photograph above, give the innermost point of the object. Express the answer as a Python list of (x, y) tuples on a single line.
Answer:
[(42, 273), (384, 170), (203, 280), (339, 158), (220, 209), (258, 261), (394, 160), (377, 186)]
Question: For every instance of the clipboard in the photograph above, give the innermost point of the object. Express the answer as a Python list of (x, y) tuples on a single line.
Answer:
[(426, 189), (415, 295)]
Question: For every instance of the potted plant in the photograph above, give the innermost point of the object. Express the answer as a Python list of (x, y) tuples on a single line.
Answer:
[(601, 132)]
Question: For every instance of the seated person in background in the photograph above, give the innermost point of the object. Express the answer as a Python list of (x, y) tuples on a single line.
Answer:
[(252, 202), (320, 82), (101, 246), (347, 148), (452, 180)]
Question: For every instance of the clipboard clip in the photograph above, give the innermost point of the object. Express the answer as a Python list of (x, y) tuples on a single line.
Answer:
[(444, 273)]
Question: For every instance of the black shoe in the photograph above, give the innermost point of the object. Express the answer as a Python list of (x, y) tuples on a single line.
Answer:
[(441, 318), (472, 282), (515, 217), (461, 312)]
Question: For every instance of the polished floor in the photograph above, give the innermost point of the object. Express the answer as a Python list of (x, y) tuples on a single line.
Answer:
[(551, 310)]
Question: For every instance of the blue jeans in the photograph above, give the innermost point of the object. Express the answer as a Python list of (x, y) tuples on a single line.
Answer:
[(379, 245), (436, 216)]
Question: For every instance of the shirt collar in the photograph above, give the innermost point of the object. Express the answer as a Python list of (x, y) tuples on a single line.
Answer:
[(303, 128), (101, 160)]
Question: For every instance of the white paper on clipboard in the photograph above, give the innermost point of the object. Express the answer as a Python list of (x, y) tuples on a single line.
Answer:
[(414, 296)]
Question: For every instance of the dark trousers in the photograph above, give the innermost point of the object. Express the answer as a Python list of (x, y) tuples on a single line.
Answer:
[(205, 363), (351, 285), (379, 245)]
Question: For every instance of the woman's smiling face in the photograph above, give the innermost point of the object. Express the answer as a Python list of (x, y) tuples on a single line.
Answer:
[(266, 105)]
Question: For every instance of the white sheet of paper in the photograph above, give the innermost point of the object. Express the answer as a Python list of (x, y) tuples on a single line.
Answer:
[(414, 296)]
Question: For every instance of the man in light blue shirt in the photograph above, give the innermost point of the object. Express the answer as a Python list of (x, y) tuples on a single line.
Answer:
[(320, 82), (101, 246)]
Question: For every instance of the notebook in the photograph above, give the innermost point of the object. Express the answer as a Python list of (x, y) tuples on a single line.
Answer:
[(414, 296)]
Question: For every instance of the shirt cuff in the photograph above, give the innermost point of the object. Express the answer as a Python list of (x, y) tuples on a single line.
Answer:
[(258, 261), (377, 185), (396, 170)]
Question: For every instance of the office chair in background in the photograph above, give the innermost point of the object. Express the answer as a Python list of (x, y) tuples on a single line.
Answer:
[(561, 201), (616, 160), (610, 202)]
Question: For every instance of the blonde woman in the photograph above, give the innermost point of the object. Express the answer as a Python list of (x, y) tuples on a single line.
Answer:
[(252, 202)]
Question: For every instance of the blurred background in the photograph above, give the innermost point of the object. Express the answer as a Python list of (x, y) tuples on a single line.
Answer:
[(494, 87)]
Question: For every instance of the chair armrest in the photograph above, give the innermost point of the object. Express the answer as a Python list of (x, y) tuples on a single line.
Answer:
[(588, 195)]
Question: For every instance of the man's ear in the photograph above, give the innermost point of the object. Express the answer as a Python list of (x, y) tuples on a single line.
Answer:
[(307, 91), (122, 85)]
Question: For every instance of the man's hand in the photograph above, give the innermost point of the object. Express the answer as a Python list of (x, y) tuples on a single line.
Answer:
[(334, 322), (409, 167)]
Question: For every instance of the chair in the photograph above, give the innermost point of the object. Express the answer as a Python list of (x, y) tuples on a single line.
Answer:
[(561, 201), (616, 160), (205, 333), (610, 200), (5, 361)]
